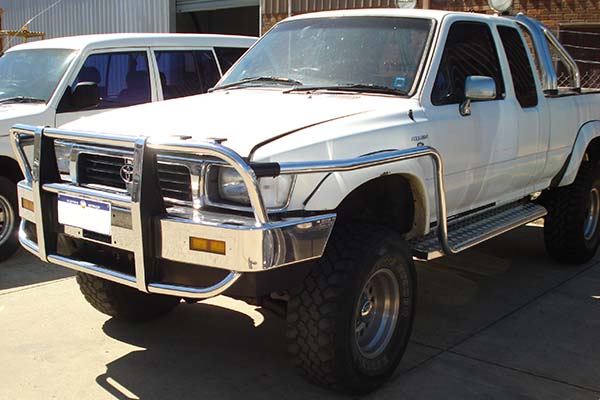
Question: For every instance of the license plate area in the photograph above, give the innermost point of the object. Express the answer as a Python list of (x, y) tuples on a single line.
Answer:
[(90, 215)]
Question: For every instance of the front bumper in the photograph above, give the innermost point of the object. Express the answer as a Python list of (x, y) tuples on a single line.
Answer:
[(141, 227)]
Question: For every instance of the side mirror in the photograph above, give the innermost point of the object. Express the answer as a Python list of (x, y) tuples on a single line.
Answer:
[(477, 88), (86, 95)]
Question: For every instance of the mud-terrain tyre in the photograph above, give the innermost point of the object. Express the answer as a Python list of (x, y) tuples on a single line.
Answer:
[(337, 333), (571, 227), (122, 302), (9, 219)]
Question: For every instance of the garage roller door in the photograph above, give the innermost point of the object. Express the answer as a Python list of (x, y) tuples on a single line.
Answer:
[(205, 5)]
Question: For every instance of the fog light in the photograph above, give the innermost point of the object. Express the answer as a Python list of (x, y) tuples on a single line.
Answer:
[(207, 245), (27, 204)]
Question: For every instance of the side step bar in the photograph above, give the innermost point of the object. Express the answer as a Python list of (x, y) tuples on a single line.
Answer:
[(473, 229)]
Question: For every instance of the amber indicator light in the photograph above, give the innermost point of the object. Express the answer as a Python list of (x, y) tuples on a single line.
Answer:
[(207, 245), (27, 204)]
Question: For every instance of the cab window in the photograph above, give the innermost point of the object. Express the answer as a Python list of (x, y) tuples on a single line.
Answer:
[(469, 50)]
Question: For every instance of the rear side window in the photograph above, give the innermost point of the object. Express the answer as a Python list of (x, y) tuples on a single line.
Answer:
[(228, 56), (122, 78), (186, 73), (469, 50), (520, 68)]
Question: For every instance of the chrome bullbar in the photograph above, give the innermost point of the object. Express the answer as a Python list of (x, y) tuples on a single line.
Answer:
[(253, 244)]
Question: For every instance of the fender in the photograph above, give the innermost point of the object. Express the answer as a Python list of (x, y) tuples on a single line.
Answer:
[(588, 132), (338, 185)]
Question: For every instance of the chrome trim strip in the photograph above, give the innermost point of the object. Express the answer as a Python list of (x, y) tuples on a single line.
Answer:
[(66, 188), (387, 158), (195, 293), (136, 214), (92, 138), (37, 193), (275, 237), (19, 140), (225, 154), (27, 243), (539, 33), (565, 56), (93, 269)]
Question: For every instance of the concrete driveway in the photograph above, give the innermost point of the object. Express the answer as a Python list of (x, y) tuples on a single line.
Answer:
[(499, 321)]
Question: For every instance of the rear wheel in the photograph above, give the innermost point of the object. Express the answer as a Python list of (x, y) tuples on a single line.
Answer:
[(350, 321), (122, 302), (571, 228)]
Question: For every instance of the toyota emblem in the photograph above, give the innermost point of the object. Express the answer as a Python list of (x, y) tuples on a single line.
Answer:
[(126, 173)]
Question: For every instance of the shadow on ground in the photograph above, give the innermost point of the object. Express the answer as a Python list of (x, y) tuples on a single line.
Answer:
[(24, 269), (205, 351)]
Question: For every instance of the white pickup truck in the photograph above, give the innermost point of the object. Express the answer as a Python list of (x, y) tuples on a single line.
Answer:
[(340, 147), (51, 82)]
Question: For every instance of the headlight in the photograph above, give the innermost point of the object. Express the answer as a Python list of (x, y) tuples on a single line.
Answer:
[(275, 191), (63, 158), (232, 187)]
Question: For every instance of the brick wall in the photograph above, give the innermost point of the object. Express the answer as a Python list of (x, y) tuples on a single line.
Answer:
[(550, 12)]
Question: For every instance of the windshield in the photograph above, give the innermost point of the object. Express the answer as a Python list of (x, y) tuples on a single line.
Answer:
[(353, 52), (32, 74)]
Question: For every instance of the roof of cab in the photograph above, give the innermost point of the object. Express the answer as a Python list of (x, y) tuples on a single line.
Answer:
[(388, 12), (112, 40)]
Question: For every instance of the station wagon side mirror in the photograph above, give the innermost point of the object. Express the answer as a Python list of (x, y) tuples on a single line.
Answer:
[(86, 95), (477, 88)]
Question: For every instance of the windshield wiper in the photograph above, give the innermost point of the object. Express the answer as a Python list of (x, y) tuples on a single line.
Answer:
[(21, 99), (355, 87), (267, 79)]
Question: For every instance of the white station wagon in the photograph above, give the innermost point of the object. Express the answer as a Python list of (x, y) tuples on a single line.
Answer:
[(51, 82)]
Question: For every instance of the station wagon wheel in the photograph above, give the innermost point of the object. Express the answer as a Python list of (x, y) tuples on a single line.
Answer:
[(9, 220), (591, 221)]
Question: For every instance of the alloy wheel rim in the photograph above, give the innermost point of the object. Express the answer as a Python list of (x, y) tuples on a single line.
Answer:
[(591, 221), (7, 219), (377, 313)]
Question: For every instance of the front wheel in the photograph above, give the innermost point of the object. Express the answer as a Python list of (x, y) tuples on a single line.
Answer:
[(123, 302), (349, 323), (571, 228)]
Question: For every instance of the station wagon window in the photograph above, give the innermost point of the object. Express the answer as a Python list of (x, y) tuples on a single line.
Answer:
[(228, 56), (469, 50), (122, 78), (520, 69), (186, 73)]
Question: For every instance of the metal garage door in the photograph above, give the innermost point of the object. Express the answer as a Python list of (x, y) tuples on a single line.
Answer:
[(205, 5)]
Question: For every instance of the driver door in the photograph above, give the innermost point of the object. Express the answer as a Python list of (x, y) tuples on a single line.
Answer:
[(123, 79), (479, 149)]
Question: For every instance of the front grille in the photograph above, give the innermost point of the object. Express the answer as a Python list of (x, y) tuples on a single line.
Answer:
[(101, 170), (174, 179)]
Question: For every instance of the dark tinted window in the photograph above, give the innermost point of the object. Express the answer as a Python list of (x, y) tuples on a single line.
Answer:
[(520, 68), (122, 79), (470, 50), (185, 73), (228, 56)]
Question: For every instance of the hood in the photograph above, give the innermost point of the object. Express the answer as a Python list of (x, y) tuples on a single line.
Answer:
[(14, 113), (244, 117)]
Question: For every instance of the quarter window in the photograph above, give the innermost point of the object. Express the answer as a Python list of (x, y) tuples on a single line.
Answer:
[(228, 56), (186, 73), (520, 68), (470, 50)]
